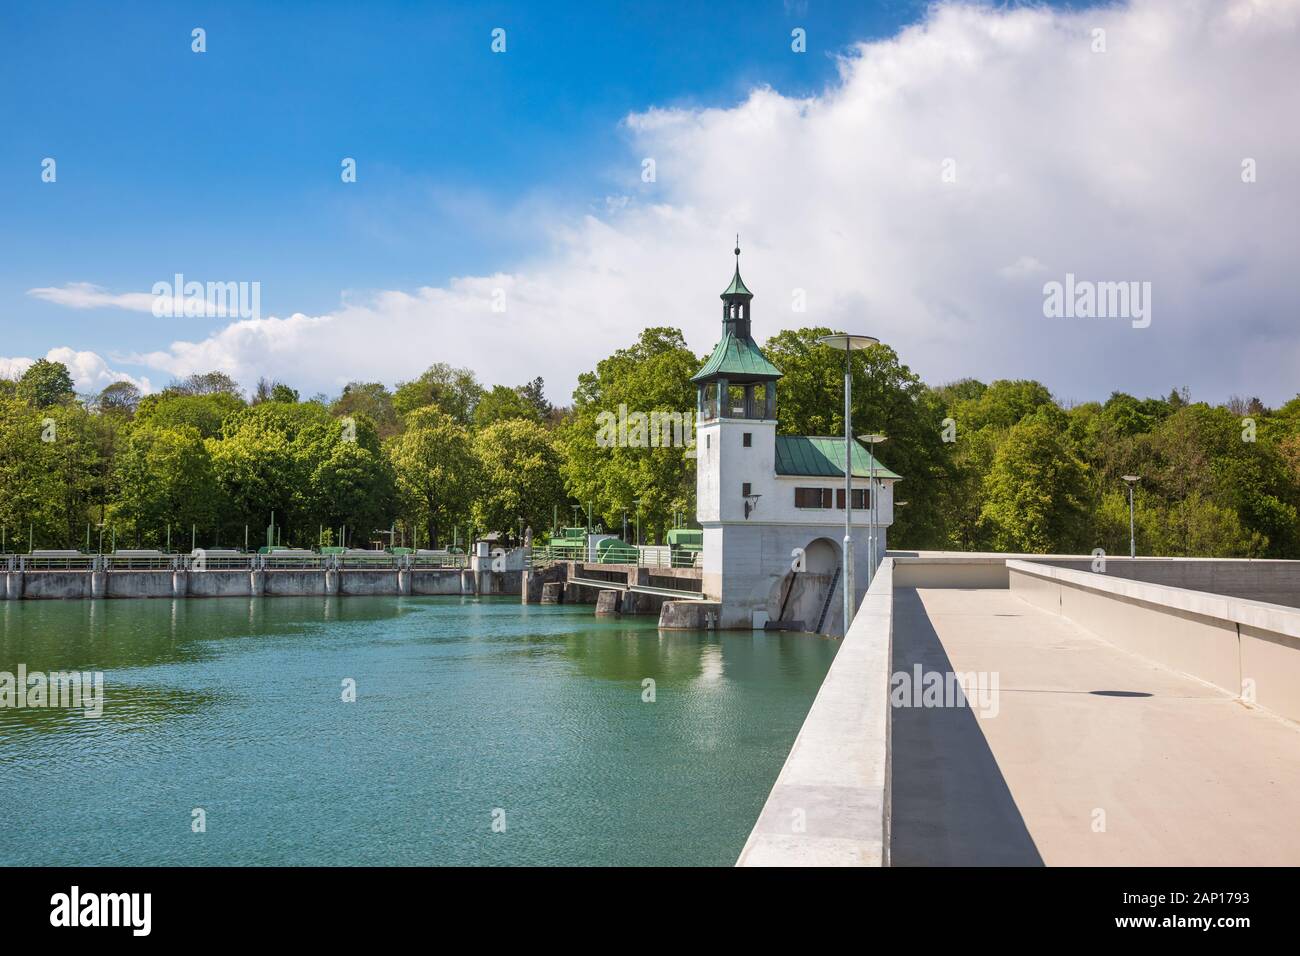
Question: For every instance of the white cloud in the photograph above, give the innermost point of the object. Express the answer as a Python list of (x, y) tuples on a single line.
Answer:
[(14, 367), (1123, 165), (86, 295), (90, 373), (1022, 267)]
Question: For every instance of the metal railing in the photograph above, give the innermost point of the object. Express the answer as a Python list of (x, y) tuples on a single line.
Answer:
[(68, 562), (647, 556), (307, 561), (436, 562), (136, 562), (275, 561)]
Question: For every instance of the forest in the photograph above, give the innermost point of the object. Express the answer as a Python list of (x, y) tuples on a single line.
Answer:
[(1002, 466)]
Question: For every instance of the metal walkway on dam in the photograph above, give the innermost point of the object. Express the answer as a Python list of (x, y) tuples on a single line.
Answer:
[(1095, 756)]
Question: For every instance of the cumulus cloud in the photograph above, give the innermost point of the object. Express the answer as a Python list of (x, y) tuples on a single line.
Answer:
[(89, 371), (924, 197)]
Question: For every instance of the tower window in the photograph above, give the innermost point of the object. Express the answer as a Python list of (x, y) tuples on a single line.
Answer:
[(747, 439)]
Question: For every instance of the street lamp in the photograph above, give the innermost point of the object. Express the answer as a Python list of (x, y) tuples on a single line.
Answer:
[(872, 544), (848, 343), (1131, 481)]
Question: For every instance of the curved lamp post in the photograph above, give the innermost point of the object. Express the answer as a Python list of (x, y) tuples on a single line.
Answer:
[(848, 343)]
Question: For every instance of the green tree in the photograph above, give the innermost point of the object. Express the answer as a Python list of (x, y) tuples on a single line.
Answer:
[(352, 485), (652, 377), (371, 399), (206, 383), (120, 398), (520, 469), (453, 390), (46, 384), (207, 413), (1034, 492), (167, 478), (437, 471), (28, 484), (501, 403)]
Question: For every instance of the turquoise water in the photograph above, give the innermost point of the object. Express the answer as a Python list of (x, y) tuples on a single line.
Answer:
[(467, 711)]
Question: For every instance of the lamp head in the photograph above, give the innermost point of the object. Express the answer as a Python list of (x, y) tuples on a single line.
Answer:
[(843, 341)]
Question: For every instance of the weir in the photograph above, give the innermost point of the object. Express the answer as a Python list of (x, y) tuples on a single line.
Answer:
[(74, 576)]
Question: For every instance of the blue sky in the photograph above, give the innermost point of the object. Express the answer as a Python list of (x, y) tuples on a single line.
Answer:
[(226, 164), (520, 171)]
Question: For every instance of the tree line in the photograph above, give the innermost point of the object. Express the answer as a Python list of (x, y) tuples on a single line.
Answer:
[(1002, 466)]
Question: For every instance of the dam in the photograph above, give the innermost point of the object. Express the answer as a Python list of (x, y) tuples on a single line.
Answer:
[(1147, 713)]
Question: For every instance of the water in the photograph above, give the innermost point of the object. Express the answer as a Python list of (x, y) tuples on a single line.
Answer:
[(465, 708)]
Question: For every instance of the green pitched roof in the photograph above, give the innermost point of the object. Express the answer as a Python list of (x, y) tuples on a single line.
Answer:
[(737, 358), (823, 458), (737, 286)]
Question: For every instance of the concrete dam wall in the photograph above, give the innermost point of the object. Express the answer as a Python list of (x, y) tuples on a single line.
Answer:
[(297, 582)]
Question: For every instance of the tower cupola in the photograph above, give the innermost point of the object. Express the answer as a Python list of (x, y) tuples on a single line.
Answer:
[(737, 381)]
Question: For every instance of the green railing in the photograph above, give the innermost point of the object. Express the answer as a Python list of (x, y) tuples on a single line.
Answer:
[(653, 556)]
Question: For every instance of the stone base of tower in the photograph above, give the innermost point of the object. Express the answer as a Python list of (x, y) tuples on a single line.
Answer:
[(781, 576)]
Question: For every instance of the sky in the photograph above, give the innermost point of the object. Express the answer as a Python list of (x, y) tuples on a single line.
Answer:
[(920, 173)]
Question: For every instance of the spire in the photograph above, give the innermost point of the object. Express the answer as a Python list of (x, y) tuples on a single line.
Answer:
[(736, 358), (737, 291)]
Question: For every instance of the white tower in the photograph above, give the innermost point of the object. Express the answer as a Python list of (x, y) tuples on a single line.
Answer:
[(771, 507)]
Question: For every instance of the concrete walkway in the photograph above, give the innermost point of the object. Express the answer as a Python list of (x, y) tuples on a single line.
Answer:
[(1069, 771)]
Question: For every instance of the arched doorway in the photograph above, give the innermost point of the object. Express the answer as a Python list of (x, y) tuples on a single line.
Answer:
[(803, 602)]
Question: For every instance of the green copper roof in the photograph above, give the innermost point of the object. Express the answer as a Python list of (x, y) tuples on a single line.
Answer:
[(823, 458), (737, 358), (737, 286)]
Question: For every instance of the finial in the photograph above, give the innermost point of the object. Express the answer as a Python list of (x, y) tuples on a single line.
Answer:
[(738, 245)]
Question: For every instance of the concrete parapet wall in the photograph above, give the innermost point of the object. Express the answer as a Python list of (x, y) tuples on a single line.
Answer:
[(1247, 648), (1271, 581), (950, 571), (831, 803)]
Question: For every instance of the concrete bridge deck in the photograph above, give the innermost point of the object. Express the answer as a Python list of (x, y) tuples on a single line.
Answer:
[(1184, 773)]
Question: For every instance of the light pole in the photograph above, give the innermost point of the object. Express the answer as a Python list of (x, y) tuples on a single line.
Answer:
[(1131, 481), (872, 544), (848, 343)]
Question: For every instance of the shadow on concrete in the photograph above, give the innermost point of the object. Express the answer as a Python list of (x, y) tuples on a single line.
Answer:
[(951, 804)]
